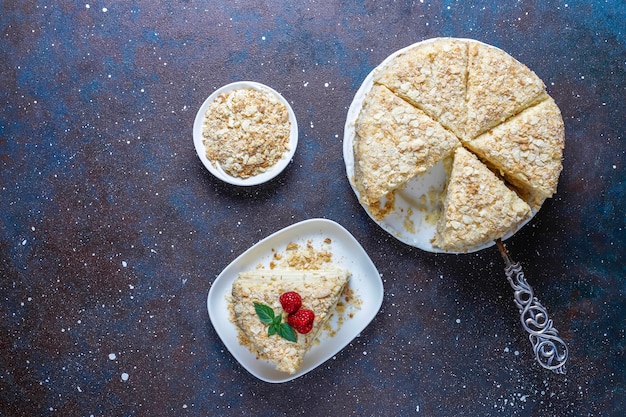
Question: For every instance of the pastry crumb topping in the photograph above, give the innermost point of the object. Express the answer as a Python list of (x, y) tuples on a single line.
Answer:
[(246, 132)]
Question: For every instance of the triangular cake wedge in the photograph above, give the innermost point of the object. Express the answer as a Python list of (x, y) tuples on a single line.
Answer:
[(394, 142), (477, 208), (320, 291), (498, 87), (432, 77), (527, 150)]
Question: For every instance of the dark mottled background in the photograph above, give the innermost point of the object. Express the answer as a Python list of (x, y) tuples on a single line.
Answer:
[(112, 231)]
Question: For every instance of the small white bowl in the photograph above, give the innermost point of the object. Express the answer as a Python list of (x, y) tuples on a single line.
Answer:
[(215, 169)]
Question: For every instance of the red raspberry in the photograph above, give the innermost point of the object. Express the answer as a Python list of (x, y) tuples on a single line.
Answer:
[(291, 301), (302, 320)]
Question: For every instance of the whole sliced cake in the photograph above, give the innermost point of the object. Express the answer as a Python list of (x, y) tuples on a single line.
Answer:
[(396, 141), (320, 290), (477, 206), (448, 95)]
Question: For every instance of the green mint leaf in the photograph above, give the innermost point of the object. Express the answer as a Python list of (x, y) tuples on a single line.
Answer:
[(276, 326), (265, 313), (286, 332)]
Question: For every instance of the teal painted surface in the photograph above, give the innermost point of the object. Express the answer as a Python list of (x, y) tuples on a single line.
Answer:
[(112, 231)]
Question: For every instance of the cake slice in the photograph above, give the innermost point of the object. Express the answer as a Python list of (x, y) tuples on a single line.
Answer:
[(432, 77), (394, 142), (320, 291), (477, 207), (498, 87), (527, 150)]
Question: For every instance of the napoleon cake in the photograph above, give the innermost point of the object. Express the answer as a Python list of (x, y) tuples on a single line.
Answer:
[(280, 313), (477, 206), (498, 87), (527, 150), (432, 77), (396, 142), (459, 96)]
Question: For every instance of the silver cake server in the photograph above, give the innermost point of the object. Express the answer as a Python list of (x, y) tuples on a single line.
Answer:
[(550, 350)]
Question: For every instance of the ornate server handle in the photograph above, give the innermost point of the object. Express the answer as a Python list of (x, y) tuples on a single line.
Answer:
[(550, 350)]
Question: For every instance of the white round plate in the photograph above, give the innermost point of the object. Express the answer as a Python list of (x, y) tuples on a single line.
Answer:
[(409, 221), (214, 168), (347, 254)]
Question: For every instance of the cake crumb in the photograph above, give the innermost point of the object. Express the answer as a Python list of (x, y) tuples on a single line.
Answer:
[(246, 132)]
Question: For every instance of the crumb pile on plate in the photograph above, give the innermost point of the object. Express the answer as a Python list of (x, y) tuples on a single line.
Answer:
[(246, 131), (462, 101)]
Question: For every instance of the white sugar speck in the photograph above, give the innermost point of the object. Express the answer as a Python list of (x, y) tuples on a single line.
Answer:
[(112, 356), (104, 10), (24, 242), (458, 321), (124, 264), (124, 376), (87, 6)]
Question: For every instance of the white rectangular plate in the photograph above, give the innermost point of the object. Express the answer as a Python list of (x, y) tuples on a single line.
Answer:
[(347, 253)]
